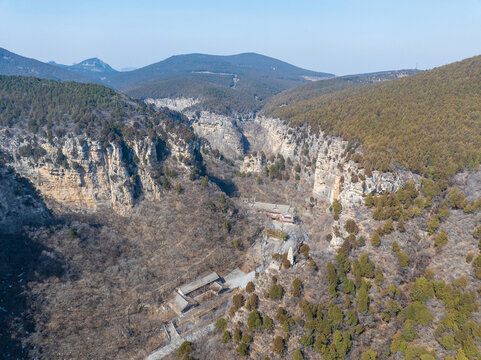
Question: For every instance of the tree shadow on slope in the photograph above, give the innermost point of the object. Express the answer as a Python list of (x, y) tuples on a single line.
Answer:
[(21, 261), (226, 185)]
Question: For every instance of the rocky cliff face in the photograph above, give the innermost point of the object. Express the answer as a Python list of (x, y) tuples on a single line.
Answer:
[(177, 104), (224, 133), (333, 176), (20, 205), (84, 175), (324, 163)]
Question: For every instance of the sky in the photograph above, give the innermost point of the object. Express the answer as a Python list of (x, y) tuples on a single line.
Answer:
[(338, 36)]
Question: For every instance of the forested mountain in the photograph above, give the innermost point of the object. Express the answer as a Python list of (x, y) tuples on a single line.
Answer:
[(428, 122), (248, 64), (13, 64), (224, 84), (327, 86)]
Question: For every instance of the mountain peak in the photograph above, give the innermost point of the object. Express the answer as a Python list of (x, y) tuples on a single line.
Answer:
[(93, 64)]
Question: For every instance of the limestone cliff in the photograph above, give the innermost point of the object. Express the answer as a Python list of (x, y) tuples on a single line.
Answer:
[(224, 133), (333, 176), (85, 175)]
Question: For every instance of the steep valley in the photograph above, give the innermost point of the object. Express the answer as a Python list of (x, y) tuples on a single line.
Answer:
[(112, 206)]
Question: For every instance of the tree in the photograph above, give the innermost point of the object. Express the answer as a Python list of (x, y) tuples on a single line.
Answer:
[(369, 355), (226, 337), (254, 321), (388, 227), (267, 323), (237, 335), (369, 200), (422, 290), (375, 240), (418, 312), (335, 315), (238, 301), (297, 355), (331, 274), (225, 226), (250, 288), (378, 278), (276, 291), (296, 287), (178, 188), (457, 199), (366, 266), (205, 181), (409, 332), (220, 324), (241, 349), (337, 208), (236, 243), (246, 338), (477, 267), (433, 225), (279, 346), (477, 233), (304, 250), (362, 297), (392, 309), (441, 239), (351, 227), (184, 349)]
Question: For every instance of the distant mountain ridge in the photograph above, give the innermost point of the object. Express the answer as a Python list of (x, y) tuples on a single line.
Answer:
[(231, 64), (231, 84), (13, 64), (93, 68), (327, 86), (224, 84)]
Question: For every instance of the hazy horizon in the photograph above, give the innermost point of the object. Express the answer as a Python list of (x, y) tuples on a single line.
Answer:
[(340, 38)]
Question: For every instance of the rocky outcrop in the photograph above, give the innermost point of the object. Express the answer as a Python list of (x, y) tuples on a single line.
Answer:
[(177, 104), (222, 132), (253, 162)]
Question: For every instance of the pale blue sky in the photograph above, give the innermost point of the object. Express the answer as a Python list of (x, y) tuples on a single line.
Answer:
[(337, 36)]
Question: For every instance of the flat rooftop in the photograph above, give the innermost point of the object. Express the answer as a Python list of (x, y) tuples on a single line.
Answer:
[(188, 288), (178, 303), (262, 206)]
